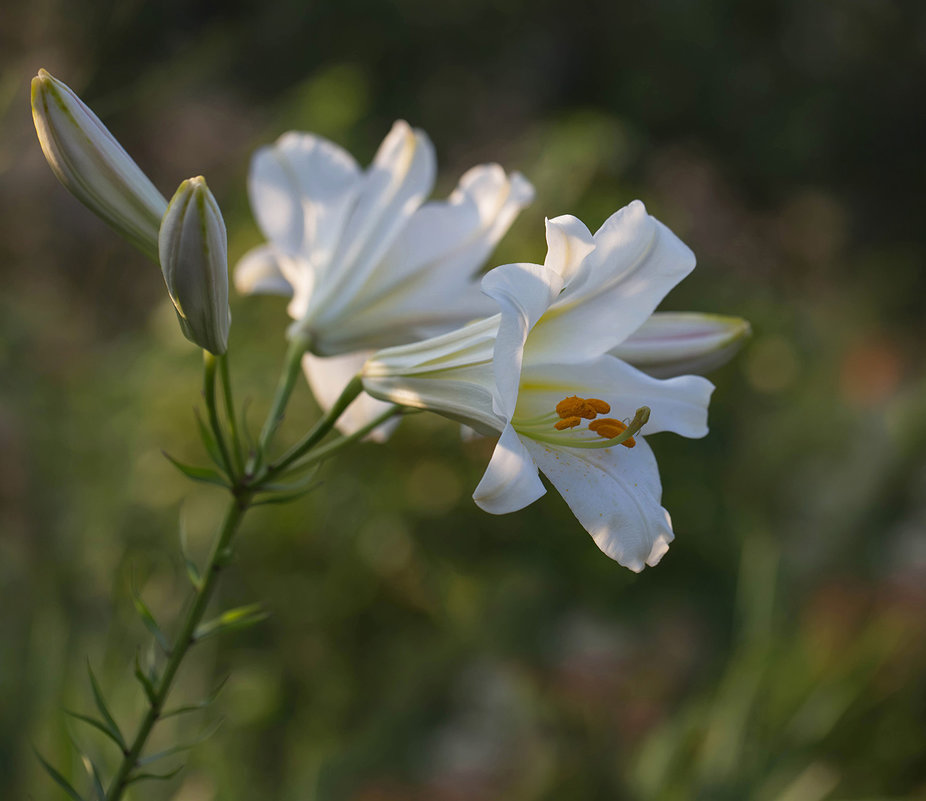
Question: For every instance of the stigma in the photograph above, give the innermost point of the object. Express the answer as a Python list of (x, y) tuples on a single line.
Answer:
[(609, 428)]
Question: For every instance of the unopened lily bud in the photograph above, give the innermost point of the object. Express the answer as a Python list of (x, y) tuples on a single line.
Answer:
[(193, 248), (93, 166)]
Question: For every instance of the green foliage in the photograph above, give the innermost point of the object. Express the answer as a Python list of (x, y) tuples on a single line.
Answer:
[(63, 783), (232, 620)]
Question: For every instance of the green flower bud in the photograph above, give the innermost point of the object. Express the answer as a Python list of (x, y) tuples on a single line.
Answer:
[(193, 249), (93, 166)]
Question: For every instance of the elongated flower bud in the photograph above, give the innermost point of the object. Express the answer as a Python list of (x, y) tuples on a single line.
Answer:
[(93, 166), (193, 248)]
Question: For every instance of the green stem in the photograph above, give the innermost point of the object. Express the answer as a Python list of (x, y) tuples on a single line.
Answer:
[(182, 643), (209, 365), (297, 348), (237, 453), (324, 452), (318, 431)]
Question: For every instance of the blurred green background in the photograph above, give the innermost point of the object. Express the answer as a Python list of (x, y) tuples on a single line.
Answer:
[(417, 648)]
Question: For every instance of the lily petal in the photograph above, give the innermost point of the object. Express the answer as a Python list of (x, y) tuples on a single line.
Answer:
[(425, 282), (400, 177), (450, 374), (636, 261), (569, 242), (510, 481), (676, 404), (524, 292), (452, 238), (679, 343), (329, 376), (302, 189), (258, 273), (616, 495)]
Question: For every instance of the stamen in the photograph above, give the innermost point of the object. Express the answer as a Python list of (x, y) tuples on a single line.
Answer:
[(580, 407), (609, 428), (565, 430)]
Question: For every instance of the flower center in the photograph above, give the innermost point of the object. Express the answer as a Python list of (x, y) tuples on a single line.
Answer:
[(564, 426), (574, 409)]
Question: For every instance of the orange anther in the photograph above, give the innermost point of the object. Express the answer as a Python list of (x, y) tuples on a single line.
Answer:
[(609, 428), (567, 422), (579, 407), (573, 407)]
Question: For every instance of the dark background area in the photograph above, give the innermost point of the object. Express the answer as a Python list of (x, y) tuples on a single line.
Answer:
[(417, 648)]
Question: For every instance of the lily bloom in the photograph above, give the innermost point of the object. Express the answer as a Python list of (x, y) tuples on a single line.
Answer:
[(542, 374), (365, 260)]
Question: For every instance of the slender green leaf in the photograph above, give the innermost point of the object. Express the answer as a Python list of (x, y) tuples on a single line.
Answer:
[(63, 783), (209, 441), (248, 436), (148, 760), (192, 570), (288, 485), (146, 682), (205, 474), (99, 725), (148, 619), (286, 497), (234, 619), (140, 777), (92, 772), (95, 778), (197, 707), (104, 710)]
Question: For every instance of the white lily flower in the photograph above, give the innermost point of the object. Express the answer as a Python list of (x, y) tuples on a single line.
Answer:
[(539, 371), (365, 260), (93, 166), (194, 260)]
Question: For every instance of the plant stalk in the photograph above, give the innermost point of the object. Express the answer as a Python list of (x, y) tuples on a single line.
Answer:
[(182, 643), (318, 431), (237, 454), (297, 348), (209, 365)]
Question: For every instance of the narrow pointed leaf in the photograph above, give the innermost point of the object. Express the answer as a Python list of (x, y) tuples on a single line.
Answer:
[(197, 707), (104, 710), (287, 485), (141, 777), (149, 621), (148, 760), (283, 498), (99, 725), (90, 767), (191, 569), (234, 619), (246, 429), (205, 474), (209, 441), (95, 778), (146, 683), (63, 783)]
